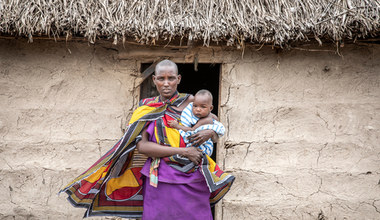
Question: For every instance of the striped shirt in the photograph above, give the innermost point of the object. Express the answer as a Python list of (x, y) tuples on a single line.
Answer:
[(188, 119)]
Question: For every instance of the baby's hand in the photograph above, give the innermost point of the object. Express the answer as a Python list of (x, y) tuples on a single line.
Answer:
[(173, 123)]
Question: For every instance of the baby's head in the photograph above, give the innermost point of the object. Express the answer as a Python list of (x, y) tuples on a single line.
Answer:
[(202, 105)]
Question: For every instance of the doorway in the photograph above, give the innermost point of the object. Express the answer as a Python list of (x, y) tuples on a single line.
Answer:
[(206, 76)]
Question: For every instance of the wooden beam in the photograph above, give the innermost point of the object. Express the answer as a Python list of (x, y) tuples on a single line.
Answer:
[(149, 70)]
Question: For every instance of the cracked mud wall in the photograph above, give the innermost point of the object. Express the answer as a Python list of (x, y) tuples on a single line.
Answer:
[(62, 106), (302, 134), (302, 137)]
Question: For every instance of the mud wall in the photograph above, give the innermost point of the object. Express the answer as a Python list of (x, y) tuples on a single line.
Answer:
[(62, 107), (302, 139), (303, 134)]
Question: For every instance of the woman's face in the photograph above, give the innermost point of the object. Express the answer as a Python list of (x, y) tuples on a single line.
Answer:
[(166, 81)]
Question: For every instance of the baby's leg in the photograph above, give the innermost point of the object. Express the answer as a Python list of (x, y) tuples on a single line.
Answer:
[(207, 147)]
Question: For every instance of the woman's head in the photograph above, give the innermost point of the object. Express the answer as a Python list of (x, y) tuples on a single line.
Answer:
[(166, 78)]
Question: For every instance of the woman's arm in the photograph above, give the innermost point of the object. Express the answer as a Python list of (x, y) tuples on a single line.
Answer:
[(152, 149), (202, 136)]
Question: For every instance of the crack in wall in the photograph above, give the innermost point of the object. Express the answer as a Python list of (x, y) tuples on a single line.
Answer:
[(295, 210), (321, 216), (228, 124), (320, 151), (376, 208), (273, 216), (11, 196), (246, 153), (228, 96), (8, 164), (135, 100), (280, 111), (99, 149), (229, 86), (50, 186), (327, 125), (319, 186)]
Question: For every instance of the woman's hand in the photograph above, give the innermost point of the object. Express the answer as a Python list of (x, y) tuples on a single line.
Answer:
[(152, 149), (194, 154), (201, 136)]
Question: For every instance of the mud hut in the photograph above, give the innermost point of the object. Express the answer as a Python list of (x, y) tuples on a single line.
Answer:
[(298, 87)]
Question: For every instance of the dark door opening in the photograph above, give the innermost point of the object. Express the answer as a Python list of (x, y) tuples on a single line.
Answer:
[(207, 77)]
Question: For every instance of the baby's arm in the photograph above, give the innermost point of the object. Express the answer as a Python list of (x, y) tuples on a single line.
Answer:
[(176, 125), (200, 122), (203, 121)]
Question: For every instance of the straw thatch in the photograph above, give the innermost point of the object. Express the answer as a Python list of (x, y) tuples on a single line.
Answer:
[(275, 22)]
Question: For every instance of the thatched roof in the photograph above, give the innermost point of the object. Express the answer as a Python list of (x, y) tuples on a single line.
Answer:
[(277, 22)]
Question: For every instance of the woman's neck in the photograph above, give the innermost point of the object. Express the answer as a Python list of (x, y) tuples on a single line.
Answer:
[(163, 99)]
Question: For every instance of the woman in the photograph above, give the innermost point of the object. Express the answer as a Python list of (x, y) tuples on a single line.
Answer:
[(173, 183)]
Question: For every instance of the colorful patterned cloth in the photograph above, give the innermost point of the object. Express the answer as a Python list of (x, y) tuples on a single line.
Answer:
[(113, 185)]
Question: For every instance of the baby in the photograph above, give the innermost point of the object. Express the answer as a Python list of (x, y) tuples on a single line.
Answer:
[(197, 116)]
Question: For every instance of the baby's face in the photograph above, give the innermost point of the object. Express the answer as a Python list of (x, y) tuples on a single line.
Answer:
[(202, 106)]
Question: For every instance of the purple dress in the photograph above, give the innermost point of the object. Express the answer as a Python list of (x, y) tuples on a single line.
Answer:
[(178, 195)]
